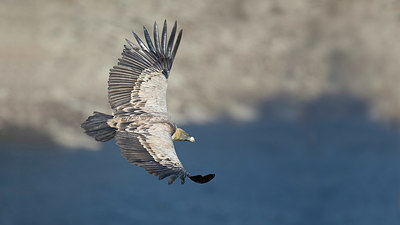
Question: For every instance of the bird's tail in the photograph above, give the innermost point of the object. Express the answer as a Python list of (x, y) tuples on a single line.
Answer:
[(96, 126)]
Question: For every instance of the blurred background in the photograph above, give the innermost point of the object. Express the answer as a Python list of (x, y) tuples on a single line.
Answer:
[(295, 106)]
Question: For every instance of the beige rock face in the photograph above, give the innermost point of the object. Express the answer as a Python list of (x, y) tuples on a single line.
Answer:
[(235, 54)]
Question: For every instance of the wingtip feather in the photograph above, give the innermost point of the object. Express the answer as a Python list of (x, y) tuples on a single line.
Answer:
[(177, 42), (140, 42), (156, 38), (148, 40), (171, 40), (164, 38), (133, 46)]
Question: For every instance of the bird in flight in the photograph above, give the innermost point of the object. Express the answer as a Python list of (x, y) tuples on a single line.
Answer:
[(137, 89)]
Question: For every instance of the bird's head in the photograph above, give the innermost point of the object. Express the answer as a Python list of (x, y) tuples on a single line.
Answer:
[(181, 135)]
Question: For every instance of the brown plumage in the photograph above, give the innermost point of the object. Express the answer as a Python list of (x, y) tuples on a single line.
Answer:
[(137, 89)]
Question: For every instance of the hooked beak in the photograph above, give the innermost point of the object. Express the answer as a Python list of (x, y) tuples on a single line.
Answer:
[(191, 139)]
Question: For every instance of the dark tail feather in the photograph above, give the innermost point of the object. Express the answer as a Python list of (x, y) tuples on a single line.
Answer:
[(202, 179), (96, 126)]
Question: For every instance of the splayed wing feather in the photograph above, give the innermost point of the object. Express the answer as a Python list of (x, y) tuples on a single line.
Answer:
[(133, 46), (148, 40), (164, 38), (157, 39), (171, 40), (178, 40), (141, 44)]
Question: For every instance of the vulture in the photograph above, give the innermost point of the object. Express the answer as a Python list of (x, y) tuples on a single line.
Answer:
[(137, 89)]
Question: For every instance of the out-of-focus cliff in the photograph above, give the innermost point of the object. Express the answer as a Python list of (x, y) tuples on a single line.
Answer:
[(235, 54)]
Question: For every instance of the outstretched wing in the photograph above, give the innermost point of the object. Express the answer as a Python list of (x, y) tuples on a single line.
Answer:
[(138, 84), (150, 146)]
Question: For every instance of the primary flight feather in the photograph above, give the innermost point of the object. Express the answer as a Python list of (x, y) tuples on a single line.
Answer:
[(137, 90)]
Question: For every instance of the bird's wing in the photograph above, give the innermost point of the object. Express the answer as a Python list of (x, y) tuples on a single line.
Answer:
[(138, 84), (149, 145)]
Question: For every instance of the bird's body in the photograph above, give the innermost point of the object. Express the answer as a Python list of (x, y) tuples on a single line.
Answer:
[(137, 89)]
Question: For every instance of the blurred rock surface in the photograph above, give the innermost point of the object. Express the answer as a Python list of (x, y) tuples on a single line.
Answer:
[(235, 55)]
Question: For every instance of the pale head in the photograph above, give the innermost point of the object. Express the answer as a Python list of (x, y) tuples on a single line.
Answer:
[(181, 135)]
